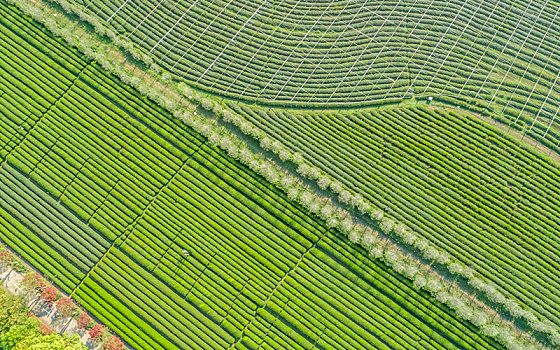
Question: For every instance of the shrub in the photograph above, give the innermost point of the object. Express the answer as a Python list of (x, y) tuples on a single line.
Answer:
[(49, 294), (227, 115), (83, 320), (357, 200), (314, 173), (433, 285), (346, 225), (431, 253), (369, 238), (245, 155), (306, 198), (376, 251), (7, 259), (376, 214), (303, 169), (327, 211), (266, 143), (97, 332), (391, 256), (66, 307), (113, 343), (288, 181), (298, 158), (411, 270), (33, 281), (276, 147), (479, 318), (354, 236), (293, 193)]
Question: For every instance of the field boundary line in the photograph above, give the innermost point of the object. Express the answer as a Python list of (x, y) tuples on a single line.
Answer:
[(32, 128), (128, 230), (294, 268), (132, 226)]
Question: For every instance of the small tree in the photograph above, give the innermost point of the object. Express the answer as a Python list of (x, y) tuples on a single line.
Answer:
[(83, 320), (324, 182), (7, 259), (113, 343), (345, 197), (49, 294), (97, 332), (66, 307), (206, 104), (33, 282)]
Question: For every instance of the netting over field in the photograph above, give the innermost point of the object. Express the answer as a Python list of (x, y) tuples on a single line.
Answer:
[(333, 53)]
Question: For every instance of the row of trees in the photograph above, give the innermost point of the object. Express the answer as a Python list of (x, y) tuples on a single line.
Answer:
[(20, 331)]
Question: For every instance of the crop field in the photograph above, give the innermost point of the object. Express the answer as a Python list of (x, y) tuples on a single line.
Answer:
[(484, 199), (496, 54), (103, 191)]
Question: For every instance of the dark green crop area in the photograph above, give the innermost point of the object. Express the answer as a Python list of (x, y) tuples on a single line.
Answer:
[(102, 190)]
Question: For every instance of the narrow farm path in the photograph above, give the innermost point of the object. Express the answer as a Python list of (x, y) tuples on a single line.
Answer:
[(294, 268)]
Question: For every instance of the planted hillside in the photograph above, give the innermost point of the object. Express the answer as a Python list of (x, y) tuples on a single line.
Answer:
[(499, 55), (170, 241), (463, 186)]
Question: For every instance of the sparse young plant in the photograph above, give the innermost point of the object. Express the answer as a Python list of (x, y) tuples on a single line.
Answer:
[(33, 282)]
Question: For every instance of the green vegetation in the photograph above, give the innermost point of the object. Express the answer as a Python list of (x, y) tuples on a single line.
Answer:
[(474, 194), (511, 71), (138, 188), (500, 56), (18, 331)]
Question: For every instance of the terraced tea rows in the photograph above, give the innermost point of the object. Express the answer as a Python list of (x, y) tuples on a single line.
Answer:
[(118, 189), (472, 192), (500, 54)]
